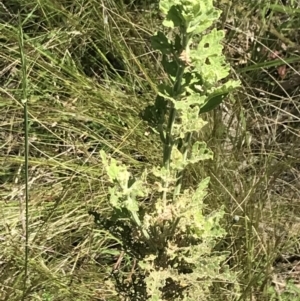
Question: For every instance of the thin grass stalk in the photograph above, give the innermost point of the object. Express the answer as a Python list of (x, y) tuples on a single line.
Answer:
[(26, 151)]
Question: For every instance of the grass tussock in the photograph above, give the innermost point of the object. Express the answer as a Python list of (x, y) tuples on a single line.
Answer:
[(90, 72)]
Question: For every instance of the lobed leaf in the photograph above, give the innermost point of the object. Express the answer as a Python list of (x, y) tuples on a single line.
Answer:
[(208, 59), (160, 42)]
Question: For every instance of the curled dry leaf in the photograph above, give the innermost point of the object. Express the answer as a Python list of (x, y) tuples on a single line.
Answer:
[(185, 57), (282, 71)]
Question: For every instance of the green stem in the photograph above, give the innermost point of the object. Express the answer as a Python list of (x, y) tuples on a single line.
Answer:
[(169, 141), (26, 152), (137, 221), (184, 150)]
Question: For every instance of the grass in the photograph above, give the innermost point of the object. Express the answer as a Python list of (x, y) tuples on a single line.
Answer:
[(90, 71), (72, 116)]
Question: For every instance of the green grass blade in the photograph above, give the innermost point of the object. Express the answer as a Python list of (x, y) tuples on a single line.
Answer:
[(26, 151)]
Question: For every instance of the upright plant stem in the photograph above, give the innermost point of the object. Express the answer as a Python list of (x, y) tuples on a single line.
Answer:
[(184, 150), (26, 151), (169, 141)]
